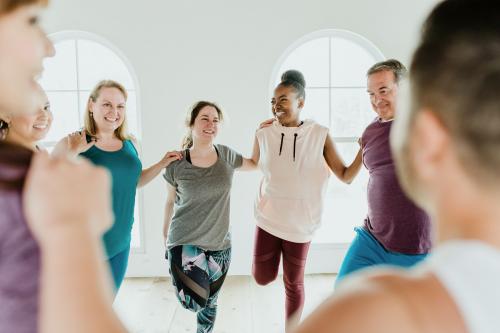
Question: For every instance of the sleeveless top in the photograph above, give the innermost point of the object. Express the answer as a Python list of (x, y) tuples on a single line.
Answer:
[(289, 203), (470, 273), (125, 168)]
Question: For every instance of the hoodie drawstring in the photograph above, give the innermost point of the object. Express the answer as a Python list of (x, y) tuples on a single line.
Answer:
[(294, 143), (281, 144)]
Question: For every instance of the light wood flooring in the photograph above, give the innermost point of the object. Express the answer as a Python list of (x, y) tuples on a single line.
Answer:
[(149, 305)]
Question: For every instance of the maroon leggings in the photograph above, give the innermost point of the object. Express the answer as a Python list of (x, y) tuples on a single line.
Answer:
[(266, 261)]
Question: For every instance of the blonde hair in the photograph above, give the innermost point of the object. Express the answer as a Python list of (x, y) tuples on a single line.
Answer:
[(7, 6), (89, 123)]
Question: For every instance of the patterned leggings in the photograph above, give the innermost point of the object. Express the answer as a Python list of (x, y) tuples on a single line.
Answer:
[(197, 276)]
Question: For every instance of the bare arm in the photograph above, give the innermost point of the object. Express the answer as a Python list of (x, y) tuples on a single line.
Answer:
[(252, 162), (344, 173), (169, 210), (365, 306), (150, 173), (72, 268)]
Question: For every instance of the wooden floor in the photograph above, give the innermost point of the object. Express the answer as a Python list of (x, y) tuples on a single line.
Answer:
[(149, 305)]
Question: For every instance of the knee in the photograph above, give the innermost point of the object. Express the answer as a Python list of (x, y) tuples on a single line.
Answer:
[(263, 278)]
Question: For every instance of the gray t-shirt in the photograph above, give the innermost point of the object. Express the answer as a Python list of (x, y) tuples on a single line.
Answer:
[(201, 211)]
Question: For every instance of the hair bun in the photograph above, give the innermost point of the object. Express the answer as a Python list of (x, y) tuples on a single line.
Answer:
[(293, 75)]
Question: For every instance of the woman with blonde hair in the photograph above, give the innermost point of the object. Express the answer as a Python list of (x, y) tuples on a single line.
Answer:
[(106, 142)]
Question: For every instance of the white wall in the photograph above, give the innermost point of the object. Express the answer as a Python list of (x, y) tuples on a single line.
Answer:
[(224, 51)]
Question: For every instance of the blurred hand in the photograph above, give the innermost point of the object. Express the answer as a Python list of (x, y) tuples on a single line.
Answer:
[(267, 123), (60, 194), (77, 142)]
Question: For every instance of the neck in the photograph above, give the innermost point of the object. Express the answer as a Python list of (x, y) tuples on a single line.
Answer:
[(470, 213), (106, 135), (293, 123), (17, 141), (202, 147)]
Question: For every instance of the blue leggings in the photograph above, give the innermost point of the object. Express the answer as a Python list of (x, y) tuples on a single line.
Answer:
[(118, 265), (366, 251)]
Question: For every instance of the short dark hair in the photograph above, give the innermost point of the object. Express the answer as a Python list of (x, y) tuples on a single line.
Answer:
[(455, 72), (393, 65)]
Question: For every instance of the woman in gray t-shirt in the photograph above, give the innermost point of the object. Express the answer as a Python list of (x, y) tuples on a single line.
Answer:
[(196, 228)]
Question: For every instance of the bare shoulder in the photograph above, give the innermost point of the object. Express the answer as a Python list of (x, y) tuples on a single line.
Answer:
[(386, 302)]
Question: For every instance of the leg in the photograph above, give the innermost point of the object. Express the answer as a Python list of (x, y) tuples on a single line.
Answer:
[(266, 257), (294, 263), (218, 265), (188, 268), (364, 251), (118, 265), (404, 260)]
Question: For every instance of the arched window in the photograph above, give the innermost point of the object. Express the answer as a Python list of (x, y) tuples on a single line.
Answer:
[(82, 60), (334, 63)]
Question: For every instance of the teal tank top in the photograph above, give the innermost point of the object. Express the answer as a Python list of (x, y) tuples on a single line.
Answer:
[(125, 168)]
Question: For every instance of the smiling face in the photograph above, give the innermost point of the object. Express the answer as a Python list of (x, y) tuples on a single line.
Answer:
[(28, 129), (286, 105), (383, 91), (206, 125), (23, 47), (108, 111)]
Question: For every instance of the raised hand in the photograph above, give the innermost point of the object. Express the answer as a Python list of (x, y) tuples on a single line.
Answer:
[(77, 142)]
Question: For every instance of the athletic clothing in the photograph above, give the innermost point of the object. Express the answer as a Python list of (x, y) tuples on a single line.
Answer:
[(197, 276), (125, 169), (202, 202), (393, 219), (366, 251), (289, 203), (469, 271), (19, 261), (266, 261)]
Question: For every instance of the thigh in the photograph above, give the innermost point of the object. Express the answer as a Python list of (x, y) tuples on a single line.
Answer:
[(189, 271), (218, 265), (118, 265), (363, 252), (266, 255), (404, 260), (294, 261)]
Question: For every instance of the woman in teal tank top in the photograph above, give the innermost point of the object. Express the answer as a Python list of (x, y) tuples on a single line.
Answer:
[(106, 143)]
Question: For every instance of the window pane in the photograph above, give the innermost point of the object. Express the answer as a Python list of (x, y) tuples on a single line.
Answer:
[(312, 59), (345, 205), (97, 62), (351, 112), (131, 110), (350, 62), (316, 106), (64, 106), (60, 71)]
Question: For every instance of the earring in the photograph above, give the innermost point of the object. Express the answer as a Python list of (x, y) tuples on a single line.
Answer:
[(4, 129)]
